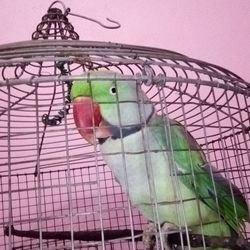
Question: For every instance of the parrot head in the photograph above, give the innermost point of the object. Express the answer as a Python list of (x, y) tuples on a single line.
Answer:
[(104, 105)]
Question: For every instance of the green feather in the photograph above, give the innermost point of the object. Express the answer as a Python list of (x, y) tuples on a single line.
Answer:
[(196, 174)]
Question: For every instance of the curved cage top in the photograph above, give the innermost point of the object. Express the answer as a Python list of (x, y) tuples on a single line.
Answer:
[(41, 56), (192, 91)]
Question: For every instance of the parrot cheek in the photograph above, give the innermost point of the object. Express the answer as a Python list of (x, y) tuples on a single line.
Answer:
[(88, 119)]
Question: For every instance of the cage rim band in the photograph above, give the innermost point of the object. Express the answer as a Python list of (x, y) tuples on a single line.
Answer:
[(137, 78)]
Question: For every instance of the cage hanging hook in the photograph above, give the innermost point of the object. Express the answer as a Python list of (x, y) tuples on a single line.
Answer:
[(60, 2), (116, 25)]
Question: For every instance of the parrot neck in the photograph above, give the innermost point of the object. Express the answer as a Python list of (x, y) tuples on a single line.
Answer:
[(118, 133), (121, 132)]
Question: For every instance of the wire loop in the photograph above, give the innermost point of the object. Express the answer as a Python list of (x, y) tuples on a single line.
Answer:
[(116, 26), (55, 2)]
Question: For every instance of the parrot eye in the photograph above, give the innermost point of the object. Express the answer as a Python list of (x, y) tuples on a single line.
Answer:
[(112, 90)]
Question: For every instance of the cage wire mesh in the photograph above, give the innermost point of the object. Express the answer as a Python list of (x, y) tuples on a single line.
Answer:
[(54, 184)]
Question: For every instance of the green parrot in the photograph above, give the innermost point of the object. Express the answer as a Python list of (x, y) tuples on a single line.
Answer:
[(155, 159)]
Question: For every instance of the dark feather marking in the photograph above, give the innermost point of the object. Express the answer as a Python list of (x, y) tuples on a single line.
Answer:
[(218, 178), (118, 133), (122, 132)]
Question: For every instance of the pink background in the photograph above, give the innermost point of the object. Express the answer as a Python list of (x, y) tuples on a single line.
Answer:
[(217, 31)]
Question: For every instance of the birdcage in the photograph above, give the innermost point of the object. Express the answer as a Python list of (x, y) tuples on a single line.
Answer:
[(56, 190)]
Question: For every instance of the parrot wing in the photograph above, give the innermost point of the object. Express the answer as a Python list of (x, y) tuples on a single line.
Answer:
[(196, 173)]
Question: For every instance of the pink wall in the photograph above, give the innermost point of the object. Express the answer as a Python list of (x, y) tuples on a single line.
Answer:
[(214, 31)]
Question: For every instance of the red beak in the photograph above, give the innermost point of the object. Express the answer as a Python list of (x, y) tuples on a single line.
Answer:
[(88, 119)]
